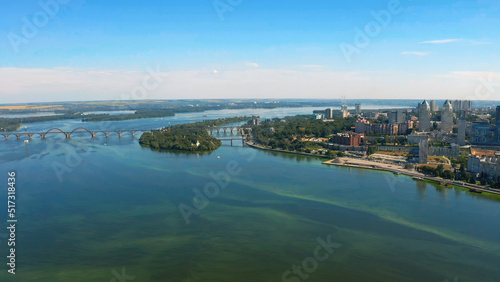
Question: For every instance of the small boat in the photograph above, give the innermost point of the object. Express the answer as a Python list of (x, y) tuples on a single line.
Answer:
[(26, 141), (417, 178), (473, 190), (397, 173), (218, 157)]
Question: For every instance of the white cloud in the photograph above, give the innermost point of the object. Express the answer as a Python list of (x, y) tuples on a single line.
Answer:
[(65, 84), (415, 53), (441, 41), (252, 65)]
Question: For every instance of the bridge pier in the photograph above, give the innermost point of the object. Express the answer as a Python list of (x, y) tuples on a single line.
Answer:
[(68, 136), (18, 136), (107, 134), (133, 134), (6, 137), (93, 135), (119, 134)]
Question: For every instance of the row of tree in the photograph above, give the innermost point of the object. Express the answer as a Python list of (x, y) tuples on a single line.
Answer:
[(287, 133), (193, 137)]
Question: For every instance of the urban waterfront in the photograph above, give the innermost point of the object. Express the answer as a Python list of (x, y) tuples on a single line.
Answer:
[(88, 209)]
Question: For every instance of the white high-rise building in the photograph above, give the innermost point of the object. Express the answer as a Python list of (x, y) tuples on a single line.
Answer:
[(434, 106), (358, 109), (447, 117), (424, 117)]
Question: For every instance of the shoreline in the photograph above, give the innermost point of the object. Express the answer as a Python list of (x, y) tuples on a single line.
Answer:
[(366, 164)]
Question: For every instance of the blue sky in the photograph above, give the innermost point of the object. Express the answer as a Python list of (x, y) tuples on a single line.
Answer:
[(289, 48)]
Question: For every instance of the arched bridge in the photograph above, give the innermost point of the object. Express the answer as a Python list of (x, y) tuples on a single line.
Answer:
[(219, 131), (67, 134)]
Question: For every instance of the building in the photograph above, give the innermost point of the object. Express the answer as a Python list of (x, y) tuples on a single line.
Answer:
[(485, 134), (364, 126), (361, 125), (319, 116), (415, 137), (358, 108), (498, 116), (424, 113), (489, 166), (345, 113), (397, 117), (462, 128), (434, 106), (348, 139), (447, 117), (256, 121), (423, 151), (329, 114), (462, 105)]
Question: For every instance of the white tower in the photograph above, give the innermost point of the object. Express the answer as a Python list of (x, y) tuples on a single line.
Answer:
[(447, 117), (424, 113)]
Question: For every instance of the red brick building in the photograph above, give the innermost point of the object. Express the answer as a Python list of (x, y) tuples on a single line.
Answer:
[(348, 138)]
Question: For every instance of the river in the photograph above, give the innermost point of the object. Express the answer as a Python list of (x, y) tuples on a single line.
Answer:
[(103, 209)]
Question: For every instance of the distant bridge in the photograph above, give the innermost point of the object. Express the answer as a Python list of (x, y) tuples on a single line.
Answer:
[(67, 134), (214, 131)]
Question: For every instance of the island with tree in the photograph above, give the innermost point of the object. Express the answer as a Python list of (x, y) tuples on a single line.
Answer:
[(193, 137)]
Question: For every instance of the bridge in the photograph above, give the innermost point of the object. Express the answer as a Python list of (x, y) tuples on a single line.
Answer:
[(67, 134), (222, 132)]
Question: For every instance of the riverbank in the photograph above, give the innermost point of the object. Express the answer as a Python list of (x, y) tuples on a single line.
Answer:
[(253, 145), (366, 164)]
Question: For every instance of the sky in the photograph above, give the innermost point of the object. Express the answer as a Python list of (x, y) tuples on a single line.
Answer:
[(79, 50)]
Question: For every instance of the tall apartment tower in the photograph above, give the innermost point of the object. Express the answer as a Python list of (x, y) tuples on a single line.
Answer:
[(434, 106), (447, 117), (498, 115), (462, 127), (397, 117), (424, 113), (423, 151), (358, 109), (329, 113)]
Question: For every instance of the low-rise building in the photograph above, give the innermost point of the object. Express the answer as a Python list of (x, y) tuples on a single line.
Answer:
[(348, 138), (489, 166)]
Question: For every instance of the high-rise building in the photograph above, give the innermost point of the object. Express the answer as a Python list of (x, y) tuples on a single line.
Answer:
[(358, 108), (423, 151), (434, 106), (498, 115), (462, 127), (447, 117), (397, 117), (424, 117), (468, 105), (329, 113), (345, 113)]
